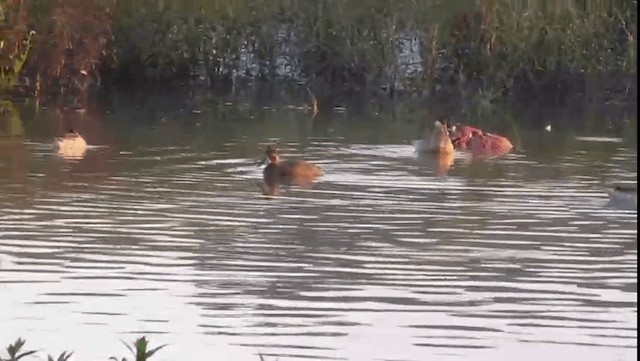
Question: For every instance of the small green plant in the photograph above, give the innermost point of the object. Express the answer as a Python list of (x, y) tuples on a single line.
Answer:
[(13, 350), (139, 350), (64, 356)]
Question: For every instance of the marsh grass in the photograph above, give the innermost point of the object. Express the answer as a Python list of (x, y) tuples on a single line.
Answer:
[(72, 47), (329, 45), (485, 52)]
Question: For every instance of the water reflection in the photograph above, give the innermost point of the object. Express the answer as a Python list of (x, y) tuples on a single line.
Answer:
[(512, 256), (437, 163), (13, 153), (273, 185)]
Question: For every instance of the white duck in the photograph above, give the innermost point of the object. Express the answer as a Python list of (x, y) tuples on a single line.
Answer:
[(71, 144)]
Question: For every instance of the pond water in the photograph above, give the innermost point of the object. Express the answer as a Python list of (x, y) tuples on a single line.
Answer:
[(162, 229)]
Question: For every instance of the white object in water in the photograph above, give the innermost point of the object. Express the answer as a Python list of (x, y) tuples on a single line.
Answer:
[(548, 128), (71, 144)]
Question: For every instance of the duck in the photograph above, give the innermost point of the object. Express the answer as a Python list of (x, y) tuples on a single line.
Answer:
[(70, 144), (489, 145), (437, 141), (461, 135), (624, 196), (479, 142), (291, 171)]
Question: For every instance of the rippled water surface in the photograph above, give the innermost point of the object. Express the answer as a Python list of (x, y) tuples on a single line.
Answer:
[(164, 230)]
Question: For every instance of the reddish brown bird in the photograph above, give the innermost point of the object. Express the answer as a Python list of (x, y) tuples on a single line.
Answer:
[(479, 142), (291, 171)]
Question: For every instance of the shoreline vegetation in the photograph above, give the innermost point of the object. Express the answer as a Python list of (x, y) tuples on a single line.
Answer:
[(139, 349), (451, 59)]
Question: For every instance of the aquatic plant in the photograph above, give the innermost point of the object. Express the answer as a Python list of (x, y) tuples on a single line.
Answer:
[(14, 351), (64, 356), (139, 350)]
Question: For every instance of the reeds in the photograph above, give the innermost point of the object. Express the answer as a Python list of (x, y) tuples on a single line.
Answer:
[(342, 42), (408, 47)]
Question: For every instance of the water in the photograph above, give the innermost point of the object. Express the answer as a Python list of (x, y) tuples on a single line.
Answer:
[(162, 229)]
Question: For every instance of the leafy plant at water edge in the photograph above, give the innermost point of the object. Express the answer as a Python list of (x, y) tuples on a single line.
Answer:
[(13, 350), (139, 350), (64, 356)]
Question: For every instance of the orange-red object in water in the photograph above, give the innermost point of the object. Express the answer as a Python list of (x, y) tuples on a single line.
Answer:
[(461, 135), (479, 142), (287, 172), (490, 145)]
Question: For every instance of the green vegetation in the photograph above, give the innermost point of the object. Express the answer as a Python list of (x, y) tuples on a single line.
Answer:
[(342, 42), (15, 42), (11, 68), (14, 349), (546, 51), (138, 348)]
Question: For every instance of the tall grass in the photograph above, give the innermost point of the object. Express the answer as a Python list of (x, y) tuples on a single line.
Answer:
[(340, 43), (332, 46)]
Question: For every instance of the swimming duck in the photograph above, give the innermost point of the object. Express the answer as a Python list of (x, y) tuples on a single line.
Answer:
[(489, 145), (479, 142), (461, 135), (70, 144), (437, 141), (292, 171)]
